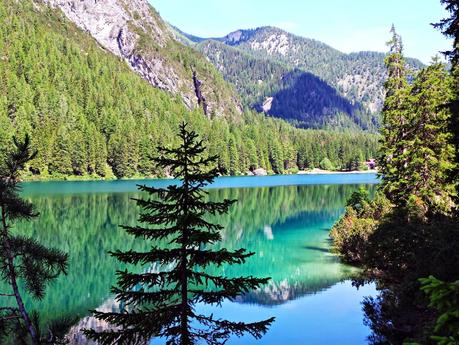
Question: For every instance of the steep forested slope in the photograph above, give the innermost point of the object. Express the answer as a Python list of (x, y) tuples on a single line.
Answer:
[(288, 92), (134, 31), (271, 54), (358, 76), (89, 114)]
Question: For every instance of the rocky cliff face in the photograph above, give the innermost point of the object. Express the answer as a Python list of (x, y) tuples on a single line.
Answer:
[(134, 31)]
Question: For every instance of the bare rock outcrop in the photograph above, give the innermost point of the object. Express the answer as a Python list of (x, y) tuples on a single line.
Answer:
[(134, 31)]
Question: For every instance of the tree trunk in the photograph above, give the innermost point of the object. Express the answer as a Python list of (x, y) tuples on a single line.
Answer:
[(183, 265), (13, 281), (184, 297)]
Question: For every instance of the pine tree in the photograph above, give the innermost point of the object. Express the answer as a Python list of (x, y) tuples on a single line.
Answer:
[(252, 154), (394, 151), (275, 156), (21, 258), (233, 156), (161, 303), (416, 153), (430, 154), (450, 28)]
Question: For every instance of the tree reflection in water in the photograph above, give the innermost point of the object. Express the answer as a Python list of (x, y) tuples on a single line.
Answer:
[(295, 253)]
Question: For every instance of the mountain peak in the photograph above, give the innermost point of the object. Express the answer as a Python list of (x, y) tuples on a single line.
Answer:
[(243, 35), (237, 36)]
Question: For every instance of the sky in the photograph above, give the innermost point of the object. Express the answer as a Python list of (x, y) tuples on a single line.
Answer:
[(347, 25)]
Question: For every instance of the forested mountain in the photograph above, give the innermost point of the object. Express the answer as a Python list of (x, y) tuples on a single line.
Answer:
[(89, 115), (347, 91), (135, 32), (288, 92)]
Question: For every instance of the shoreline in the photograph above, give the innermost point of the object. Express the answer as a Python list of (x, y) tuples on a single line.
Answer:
[(331, 172), (139, 178)]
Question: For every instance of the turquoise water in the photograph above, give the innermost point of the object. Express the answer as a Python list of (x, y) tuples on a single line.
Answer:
[(119, 186), (284, 219)]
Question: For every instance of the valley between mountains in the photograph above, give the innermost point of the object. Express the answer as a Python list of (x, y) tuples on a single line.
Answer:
[(112, 77)]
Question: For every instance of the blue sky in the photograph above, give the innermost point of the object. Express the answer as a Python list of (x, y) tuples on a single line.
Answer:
[(351, 25)]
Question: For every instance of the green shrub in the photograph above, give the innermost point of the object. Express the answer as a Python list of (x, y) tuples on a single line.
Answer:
[(351, 233), (326, 164)]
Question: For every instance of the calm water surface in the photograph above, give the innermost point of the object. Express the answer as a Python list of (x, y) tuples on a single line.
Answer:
[(284, 219)]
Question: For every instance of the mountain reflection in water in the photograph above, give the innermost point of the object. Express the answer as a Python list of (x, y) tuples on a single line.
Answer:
[(286, 226)]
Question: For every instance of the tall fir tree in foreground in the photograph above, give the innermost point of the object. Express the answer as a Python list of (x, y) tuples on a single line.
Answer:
[(395, 113), (430, 153), (413, 210), (416, 152), (450, 28), (23, 261), (175, 219)]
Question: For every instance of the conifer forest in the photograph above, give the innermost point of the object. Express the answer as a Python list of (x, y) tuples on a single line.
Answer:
[(164, 180)]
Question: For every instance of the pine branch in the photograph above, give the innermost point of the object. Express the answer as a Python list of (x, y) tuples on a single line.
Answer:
[(10, 317), (15, 207), (158, 255), (135, 327), (215, 207), (225, 327), (194, 222), (150, 233), (125, 336), (196, 257), (10, 309), (240, 284), (213, 297), (143, 297), (157, 206), (204, 258), (128, 281), (37, 264), (19, 157), (198, 237)]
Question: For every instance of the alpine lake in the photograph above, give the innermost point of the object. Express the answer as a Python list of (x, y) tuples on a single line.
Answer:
[(285, 220)]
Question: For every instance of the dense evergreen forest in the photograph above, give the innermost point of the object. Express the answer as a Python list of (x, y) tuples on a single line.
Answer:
[(406, 239), (89, 116)]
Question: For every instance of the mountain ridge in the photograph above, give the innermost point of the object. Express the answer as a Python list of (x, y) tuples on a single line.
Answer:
[(290, 93), (359, 77)]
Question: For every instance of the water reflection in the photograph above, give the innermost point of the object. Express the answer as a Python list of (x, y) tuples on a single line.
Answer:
[(287, 227)]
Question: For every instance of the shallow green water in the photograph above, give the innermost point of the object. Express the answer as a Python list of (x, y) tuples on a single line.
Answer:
[(287, 226)]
